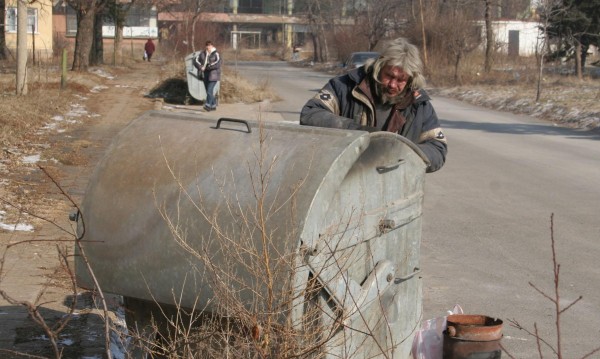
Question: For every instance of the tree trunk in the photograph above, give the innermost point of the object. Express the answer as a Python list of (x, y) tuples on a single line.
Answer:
[(578, 60), (195, 19), (457, 79), (84, 38), (584, 50), (489, 37), (425, 57), (97, 52), (541, 53), (315, 42), (21, 47), (118, 55), (3, 50)]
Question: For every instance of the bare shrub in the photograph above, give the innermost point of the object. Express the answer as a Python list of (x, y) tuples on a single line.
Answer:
[(60, 43), (558, 312), (263, 293), (347, 40)]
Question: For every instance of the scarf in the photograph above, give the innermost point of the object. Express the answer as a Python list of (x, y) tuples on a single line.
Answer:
[(403, 101)]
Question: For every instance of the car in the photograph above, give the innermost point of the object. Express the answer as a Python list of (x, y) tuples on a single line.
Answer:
[(357, 59)]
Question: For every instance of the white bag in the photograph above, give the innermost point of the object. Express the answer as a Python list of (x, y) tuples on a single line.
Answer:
[(429, 340), (145, 56)]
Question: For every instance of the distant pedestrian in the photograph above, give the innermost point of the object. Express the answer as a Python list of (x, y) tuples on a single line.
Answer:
[(295, 52), (149, 49), (208, 64)]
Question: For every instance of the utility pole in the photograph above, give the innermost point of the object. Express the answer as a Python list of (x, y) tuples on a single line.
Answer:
[(21, 47)]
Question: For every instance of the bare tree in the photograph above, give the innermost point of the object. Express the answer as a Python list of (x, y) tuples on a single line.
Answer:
[(460, 37), (377, 19), (320, 13), (97, 51), (86, 12), (489, 37), (21, 47), (424, 38), (118, 12), (547, 9), (3, 49)]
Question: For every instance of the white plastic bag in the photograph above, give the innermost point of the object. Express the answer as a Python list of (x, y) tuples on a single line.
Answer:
[(429, 340)]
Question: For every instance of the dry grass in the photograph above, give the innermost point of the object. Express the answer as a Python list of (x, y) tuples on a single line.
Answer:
[(564, 100), (22, 115)]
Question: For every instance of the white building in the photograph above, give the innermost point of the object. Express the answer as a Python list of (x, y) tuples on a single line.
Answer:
[(516, 38)]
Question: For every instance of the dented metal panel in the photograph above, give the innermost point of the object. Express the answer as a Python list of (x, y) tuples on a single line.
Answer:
[(343, 207)]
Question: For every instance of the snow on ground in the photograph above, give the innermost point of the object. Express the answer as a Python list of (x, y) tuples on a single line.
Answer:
[(23, 227), (580, 112)]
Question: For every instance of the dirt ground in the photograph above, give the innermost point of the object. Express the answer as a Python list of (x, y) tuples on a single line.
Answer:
[(44, 170), (40, 176)]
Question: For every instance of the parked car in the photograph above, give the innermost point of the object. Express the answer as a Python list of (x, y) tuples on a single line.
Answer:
[(357, 59)]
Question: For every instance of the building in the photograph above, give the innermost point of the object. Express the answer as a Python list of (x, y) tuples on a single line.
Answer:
[(39, 28), (517, 38), (140, 24)]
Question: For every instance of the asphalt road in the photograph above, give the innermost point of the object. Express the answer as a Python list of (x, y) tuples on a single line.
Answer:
[(487, 218)]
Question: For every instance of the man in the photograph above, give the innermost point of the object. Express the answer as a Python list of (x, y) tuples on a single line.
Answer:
[(384, 95), (208, 64)]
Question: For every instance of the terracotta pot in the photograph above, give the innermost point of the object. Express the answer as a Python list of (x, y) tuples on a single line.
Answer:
[(471, 327)]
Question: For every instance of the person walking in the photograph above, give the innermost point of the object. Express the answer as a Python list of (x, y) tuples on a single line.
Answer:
[(149, 49), (386, 94), (208, 63)]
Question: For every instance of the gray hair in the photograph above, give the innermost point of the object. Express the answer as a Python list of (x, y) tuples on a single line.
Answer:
[(400, 53)]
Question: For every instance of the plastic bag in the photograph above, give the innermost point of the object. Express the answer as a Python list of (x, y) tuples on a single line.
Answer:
[(429, 340), (145, 56)]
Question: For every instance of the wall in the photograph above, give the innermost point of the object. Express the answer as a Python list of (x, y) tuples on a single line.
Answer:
[(43, 35), (528, 35)]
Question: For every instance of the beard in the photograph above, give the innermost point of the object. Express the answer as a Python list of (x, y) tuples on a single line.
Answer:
[(391, 100), (401, 100)]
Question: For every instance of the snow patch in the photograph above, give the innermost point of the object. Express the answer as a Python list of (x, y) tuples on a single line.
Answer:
[(31, 159), (102, 73), (98, 88), (14, 227), (66, 341)]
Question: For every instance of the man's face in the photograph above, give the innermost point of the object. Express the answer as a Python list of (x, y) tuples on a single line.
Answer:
[(393, 80)]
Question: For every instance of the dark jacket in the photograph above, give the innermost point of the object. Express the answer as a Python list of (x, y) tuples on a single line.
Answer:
[(212, 65), (149, 47), (345, 102)]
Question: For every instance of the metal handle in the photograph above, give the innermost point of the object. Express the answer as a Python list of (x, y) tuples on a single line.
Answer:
[(399, 280), (244, 122), (388, 168)]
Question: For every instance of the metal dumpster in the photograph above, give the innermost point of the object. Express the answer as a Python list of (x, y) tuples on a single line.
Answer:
[(274, 219)]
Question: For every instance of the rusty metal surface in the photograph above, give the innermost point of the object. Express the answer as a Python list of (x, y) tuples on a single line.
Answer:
[(474, 327), (462, 349)]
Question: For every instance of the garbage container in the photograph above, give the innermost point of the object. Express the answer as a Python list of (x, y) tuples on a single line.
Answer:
[(274, 219)]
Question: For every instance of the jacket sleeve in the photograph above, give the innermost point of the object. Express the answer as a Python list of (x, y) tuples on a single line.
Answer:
[(213, 65), (323, 110), (198, 61), (432, 140)]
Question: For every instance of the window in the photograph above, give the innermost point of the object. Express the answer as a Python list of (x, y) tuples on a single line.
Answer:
[(11, 20)]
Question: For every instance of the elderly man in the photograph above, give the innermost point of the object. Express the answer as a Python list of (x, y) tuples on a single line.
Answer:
[(386, 94)]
